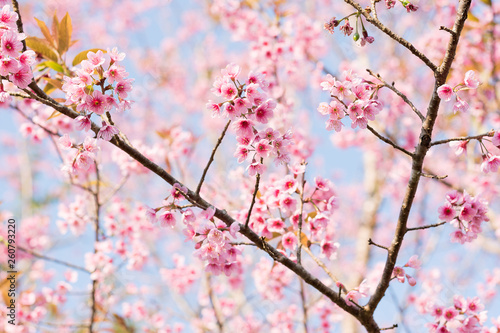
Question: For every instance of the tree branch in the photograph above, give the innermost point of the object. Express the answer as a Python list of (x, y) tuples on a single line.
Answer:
[(464, 138), (211, 159), (426, 226), (389, 142), (399, 93), (256, 189), (57, 261), (391, 34), (418, 158)]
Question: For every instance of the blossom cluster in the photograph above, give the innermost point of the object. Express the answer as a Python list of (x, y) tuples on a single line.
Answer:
[(104, 73), (410, 7), (81, 158), (466, 315), (277, 213), (361, 106), (464, 212), (446, 92), (248, 105), (362, 39), (211, 236), (13, 62), (400, 274)]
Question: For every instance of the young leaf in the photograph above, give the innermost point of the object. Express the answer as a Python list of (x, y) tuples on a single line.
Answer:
[(65, 30), (56, 83), (45, 31), (54, 114), (55, 28), (83, 56), (55, 66), (42, 47)]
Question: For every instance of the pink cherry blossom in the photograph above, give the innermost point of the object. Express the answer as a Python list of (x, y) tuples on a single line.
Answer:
[(289, 241), (445, 92), (107, 131), (22, 78), (470, 80)]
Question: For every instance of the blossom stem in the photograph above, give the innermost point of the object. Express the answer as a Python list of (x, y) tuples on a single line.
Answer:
[(386, 140), (426, 226)]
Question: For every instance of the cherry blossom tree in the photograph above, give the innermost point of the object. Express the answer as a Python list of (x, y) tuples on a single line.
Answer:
[(251, 166)]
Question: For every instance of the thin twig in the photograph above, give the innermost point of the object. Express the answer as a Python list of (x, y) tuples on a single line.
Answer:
[(386, 140), (321, 264), (389, 328), (57, 261), (211, 159), (256, 189), (96, 240), (393, 35), (464, 138), (304, 307), (426, 226), (433, 176), (213, 302), (399, 93), (447, 30), (370, 242)]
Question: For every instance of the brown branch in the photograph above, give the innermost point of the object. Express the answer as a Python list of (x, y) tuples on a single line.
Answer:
[(256, 189), (399, 93), (389, 142), (370, 242), (96, 240), (214, 304), (19, 22), (433, 176), (211, 159), (301, 220), (57, 261), (464, 138), (393, 35), (304, 306), (426, 226), (423, 146)]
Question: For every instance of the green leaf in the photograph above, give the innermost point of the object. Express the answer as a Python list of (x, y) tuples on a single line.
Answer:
[(65, 30), (49, 89), (55, 66), (45, 31), (42, 47), (83, 56), (55, 28)]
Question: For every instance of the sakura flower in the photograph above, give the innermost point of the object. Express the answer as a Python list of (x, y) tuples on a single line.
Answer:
[(115, 55), (470, 80), (208, 213), (329, 249), (107, 131), (265, 111), (490, 163), (96, 102), (10, 44), (123, 87), (167, 218), (289, 241), (255, 168), (8, 18), (243, 127), (83, 123), (234, 228), (231, 70), (115, 73), (321, 184), (346, 28), (151, 215), (178, 191), (334, 124), (263, 148), (22, 78), (445, 92), (83, 161), (214, 107), (289, 184), (399, 274), (411, 280), (460, 105), (228, 90), (459, 146), (495, 140), (65, 142), (96, 59), (446, 212), (241, 153), (413, 262)]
